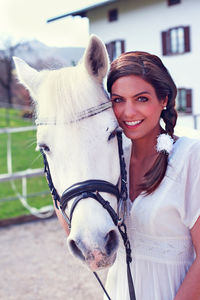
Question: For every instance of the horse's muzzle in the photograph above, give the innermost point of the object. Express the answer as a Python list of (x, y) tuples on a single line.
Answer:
[(101, 256)]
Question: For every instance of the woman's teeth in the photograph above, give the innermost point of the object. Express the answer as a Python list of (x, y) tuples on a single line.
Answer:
[(132, 123)]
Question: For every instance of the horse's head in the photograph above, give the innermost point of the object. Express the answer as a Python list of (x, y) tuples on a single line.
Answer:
[(74, 135)]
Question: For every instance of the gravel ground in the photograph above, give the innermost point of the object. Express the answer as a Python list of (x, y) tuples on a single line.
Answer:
[(35, 264)]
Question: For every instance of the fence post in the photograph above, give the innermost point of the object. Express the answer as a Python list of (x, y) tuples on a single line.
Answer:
[(195, 121), (24, 187)]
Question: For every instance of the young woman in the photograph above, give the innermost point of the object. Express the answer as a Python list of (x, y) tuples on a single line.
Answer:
[(164, 184)]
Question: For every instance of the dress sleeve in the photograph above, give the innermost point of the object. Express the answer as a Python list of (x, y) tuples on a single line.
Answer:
[(191, 204), (191, 201)]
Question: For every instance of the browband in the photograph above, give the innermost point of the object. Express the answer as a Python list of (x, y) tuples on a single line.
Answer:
[(80, 116)]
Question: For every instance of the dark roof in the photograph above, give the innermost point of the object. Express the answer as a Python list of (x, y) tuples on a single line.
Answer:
[(81, 12)]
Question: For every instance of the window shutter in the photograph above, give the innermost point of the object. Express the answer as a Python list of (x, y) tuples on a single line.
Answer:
[(187, 38), (164, 43), (109, 49), (188, 100), (113, 51)]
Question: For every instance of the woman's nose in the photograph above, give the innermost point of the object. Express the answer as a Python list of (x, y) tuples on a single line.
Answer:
[(130, 109)]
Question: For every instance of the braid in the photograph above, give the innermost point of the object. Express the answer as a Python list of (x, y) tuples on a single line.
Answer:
[(154, 176), (169, 116)]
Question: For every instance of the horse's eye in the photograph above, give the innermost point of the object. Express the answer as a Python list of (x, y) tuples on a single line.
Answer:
[(44, 147)]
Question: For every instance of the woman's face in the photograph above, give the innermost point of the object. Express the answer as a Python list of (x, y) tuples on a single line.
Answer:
[(136, 107)]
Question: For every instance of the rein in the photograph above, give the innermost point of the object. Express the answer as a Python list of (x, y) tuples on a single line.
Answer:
[(92, 189)]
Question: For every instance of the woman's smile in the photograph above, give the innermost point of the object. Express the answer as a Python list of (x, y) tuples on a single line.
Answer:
[(133, 124)]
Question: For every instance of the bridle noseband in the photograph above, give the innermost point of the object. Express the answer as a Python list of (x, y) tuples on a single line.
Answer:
[(89, 189), (92, 189)]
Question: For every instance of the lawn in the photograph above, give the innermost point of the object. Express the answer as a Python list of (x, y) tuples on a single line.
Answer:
[(24, 157)]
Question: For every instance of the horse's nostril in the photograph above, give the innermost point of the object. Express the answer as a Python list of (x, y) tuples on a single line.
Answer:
[(111, 242), (76, 251)]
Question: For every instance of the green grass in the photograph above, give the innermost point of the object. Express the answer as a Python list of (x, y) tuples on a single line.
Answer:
[(24, 157), (12, 118)]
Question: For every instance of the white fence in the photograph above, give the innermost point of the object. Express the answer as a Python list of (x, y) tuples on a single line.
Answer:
[(10, 176)]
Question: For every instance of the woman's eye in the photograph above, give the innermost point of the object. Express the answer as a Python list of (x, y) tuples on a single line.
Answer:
[(142, 99), (116, 100), (44, 147)]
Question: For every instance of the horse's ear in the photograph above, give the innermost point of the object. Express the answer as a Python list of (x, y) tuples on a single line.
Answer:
[(27, 76), (96, 58)]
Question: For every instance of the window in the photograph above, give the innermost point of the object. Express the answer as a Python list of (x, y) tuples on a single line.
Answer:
[(172, 2), (176, 40), (113, 15), (184, 100), (115, 48)]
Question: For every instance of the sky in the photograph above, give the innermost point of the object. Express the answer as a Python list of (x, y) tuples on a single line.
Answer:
[(23, 20)]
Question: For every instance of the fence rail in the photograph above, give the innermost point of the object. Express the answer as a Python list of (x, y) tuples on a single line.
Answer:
[(21, 174), (43, 212), (17, 129)]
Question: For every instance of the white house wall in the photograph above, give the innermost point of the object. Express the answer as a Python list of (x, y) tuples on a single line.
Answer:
[(140, 23)]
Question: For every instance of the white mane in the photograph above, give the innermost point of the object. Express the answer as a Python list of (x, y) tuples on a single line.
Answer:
[(66, 92)]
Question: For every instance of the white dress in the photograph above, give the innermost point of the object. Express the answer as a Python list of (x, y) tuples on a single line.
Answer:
[(159, 230)]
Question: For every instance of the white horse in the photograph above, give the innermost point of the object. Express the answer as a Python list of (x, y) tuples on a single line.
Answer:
[(75, 140)]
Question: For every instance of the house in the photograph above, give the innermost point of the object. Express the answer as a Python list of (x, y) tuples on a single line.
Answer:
[(167, 28)]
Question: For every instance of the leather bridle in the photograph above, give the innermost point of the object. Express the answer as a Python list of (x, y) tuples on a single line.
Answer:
[(92, 189)]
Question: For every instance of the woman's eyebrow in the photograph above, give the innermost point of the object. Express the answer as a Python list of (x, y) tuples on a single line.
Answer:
[(144, 92), (113, 94), (136, 95)]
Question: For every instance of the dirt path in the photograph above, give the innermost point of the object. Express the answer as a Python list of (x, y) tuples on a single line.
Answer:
[(35, 265)]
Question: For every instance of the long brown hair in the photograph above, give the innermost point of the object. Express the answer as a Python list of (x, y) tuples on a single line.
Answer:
[(151, 69)]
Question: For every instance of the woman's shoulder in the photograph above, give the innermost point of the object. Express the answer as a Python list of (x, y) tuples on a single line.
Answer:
[(185, 148), (186, 166), (189, 138), (184, 159), (187, 143)]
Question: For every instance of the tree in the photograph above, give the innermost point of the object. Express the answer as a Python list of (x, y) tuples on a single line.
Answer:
[(8, 86), (6, 67), (37, 55)]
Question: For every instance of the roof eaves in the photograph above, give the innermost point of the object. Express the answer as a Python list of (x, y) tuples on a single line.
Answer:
[(81, 12)]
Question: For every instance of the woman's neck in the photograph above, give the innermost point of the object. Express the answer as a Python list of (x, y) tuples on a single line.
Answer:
[(145, 147)]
